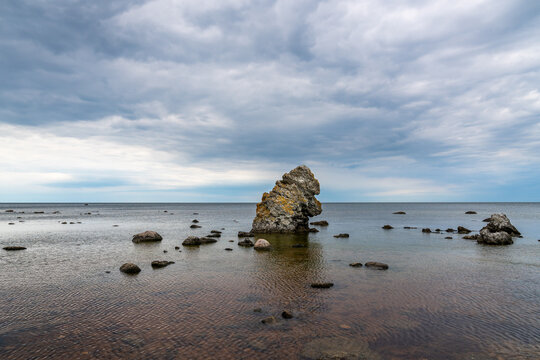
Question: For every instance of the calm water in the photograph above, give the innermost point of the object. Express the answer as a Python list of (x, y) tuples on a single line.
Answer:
[(440, 299)]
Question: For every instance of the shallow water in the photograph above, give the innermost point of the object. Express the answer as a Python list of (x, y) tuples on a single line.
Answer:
[(440, 299)]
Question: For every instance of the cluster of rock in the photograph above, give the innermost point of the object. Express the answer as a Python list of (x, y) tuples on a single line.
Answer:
[(498, 231), (287, 208)]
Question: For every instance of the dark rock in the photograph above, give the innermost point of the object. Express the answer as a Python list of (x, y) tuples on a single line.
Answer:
[(438, 230), (356, 264), (399, 213), (262, 244), (448, 238), (165, 251), (463, 230), (130, 268), (313, 230), (410, 227), (286, 315), (426, 230), (11, 223), (191, 241), (207, 240), (9, 211), (245, 243), (320, 223), (231, 240), (287, 208), (257, 310), (242, 234), (215, 231), (146, 236), (470, 212), (39, 212), (195, 213), (177, 248), (376, 265), (214, 235), (71, 222), (299, 246), (487, 219), (195, 221), (107, 272), (387, 227), (471, 237), (322, 285), (344, 235), (450, 230), (156, 264), (14, 248), (228, 249), (499, 231), (269, 320), (195, 226)]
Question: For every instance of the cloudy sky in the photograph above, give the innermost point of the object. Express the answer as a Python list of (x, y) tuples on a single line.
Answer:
[(212, 100)]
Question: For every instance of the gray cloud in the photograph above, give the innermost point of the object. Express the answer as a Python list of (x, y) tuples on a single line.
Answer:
[(442, 94)]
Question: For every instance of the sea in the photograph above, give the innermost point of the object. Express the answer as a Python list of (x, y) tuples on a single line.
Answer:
[(65, 298)]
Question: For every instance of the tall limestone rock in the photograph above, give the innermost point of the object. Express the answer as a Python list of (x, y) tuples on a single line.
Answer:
[(287, 208)]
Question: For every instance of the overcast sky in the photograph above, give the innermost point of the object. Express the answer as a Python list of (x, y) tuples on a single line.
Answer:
[(214, 100)]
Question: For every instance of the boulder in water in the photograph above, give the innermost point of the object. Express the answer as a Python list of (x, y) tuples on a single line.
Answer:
[(320, 223), (147, 236), (376, 265), (287, 208), (191, 241), (463, 230), (156, 264), (499, 231), (14, 248), (262, 244), (130, 268)]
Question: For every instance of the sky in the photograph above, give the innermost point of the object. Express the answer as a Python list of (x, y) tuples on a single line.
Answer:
[(213, 100)]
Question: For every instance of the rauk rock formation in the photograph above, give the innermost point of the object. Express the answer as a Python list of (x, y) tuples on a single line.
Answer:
[(287, 208), (499, 231)]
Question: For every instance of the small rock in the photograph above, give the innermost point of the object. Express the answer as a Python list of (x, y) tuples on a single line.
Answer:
[(217, 235), (9, 211), (463, 230), (39, 212), (207, 240), (356, 264), (11, 223), (257, 310), (165, 211), (228, 249), (14, 248), (176, 247), (262, 244), (147, 236), (215, 231), (195, 221), (195, 226), (322, 285), (231, 240), (470, 212), (320, 223), (312, 230), (399, 213), (245, 243), (286, 315), (130, 268), (377, 265), (299, 246), (448, 238), (387, 227), (195, 213), (409, 227), (426, 230), (191, 241), (471, 237), (450, 230), (487, 219), (107, 272), (269, 320), (64, 222), (438, 230), (71, 222), (165, 251), (242, 234), (156, 264), (344, 235)]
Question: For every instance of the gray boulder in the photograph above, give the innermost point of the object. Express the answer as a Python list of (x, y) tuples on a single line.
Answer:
[(498, 231), (147, 236), (191, 241), (287, 208)]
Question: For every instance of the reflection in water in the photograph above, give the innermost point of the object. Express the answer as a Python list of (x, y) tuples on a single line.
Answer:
[(440, 299)]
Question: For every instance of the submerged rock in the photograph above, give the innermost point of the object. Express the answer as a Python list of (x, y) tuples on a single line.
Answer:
[(344, 235), (262, 244), (499, 231), (287, 208), (195, 221), (161, 263), (14, 248), (426, 230), (387, 227), (146, 237), (195, 226), (471, 237), (269, 320), (376, 265), (242, 234), (399, 213), (463, 230), (286, 314), (214, 235), (245, 243), (356, 264), (130, 268), (207, 240), (470, 212), (320, 223), (191, 241), (450, 230), (322, 285)]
